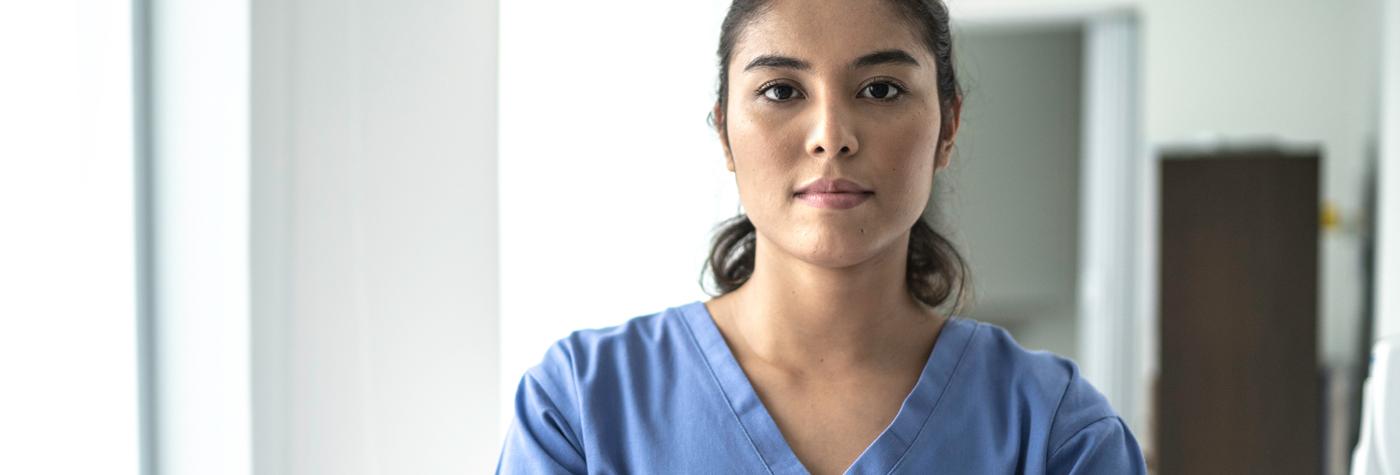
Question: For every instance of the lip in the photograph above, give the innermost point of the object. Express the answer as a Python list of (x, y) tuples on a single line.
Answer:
[(833, 193), (832, 185), (834, 200)]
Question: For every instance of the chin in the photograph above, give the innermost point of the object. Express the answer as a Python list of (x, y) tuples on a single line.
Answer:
[(837, 248)]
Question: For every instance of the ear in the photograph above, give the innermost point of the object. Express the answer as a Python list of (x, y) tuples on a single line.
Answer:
[(718, 114), (945, 147)]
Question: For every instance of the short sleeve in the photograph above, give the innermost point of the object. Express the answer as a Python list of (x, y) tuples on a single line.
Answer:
[(1088, 437), (1105, 446), (541, 439)]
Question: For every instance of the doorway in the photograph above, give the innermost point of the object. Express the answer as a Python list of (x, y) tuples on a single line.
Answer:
[(1048, 194)]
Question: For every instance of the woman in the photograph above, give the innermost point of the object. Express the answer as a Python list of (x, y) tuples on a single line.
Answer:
[(824, 351)]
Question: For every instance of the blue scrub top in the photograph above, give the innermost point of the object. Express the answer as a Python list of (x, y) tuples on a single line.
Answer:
[(663, 393)]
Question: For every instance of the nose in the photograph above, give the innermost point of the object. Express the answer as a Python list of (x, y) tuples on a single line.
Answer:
[(832, 135)]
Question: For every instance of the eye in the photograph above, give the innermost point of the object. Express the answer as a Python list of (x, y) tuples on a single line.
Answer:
[(777, 92), (883, 91)]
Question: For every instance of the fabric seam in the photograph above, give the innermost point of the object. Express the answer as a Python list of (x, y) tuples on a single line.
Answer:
[(944, 392), (578, 403), (1075, 434), (564, 420), (1074, 374), (767, 465)]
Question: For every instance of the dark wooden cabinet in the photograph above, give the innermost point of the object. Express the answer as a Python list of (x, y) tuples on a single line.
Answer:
[(1239, 390)]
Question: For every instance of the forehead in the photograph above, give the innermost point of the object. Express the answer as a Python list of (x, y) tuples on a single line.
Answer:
[(827, 33)]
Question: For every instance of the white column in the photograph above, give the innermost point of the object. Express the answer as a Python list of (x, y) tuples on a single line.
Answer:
[(1388, 238), (199, 147), (1110, 241), (374, 228)]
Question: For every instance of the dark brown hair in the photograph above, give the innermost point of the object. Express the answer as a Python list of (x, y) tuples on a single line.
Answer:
[(936, 273)]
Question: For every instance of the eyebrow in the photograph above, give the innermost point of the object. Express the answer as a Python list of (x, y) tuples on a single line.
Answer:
[(889, 56)]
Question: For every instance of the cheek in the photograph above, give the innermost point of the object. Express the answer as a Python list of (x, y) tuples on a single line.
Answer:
[(909, 164), (763, 161)]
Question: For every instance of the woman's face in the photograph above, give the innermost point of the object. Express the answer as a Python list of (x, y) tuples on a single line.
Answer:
[(832, 89)]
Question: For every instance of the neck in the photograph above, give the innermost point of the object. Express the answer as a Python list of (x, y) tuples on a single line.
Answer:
[(794, 313)]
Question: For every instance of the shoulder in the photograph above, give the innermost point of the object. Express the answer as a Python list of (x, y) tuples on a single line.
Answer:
[(555, 418), (1049, 383), (645, 333), (592, 356)]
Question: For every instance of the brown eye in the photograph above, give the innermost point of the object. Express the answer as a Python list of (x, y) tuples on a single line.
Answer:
[(779, 92), (882, 91)]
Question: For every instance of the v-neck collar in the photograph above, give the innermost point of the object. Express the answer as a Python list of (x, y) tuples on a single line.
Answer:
[(885, 452)]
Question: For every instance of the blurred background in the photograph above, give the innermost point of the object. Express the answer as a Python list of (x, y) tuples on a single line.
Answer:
[(328, 236)]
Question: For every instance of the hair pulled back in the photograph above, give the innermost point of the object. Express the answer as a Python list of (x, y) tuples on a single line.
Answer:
[(936, 273)]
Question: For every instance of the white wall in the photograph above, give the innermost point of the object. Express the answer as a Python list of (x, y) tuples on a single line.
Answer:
[(1309, 77), (1295, 69), (611, 180), (375, 297), (1013, 193)]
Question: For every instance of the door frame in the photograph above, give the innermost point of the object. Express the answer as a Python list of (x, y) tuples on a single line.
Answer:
[(1117, 243), (1388, 190)]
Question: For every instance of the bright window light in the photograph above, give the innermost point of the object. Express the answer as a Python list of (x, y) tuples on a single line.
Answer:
[(68, 340)]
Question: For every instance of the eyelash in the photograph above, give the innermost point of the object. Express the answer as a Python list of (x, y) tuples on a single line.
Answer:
[(900, 90)]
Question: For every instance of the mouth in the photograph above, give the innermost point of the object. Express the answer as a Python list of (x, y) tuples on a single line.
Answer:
[(833, 193)]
